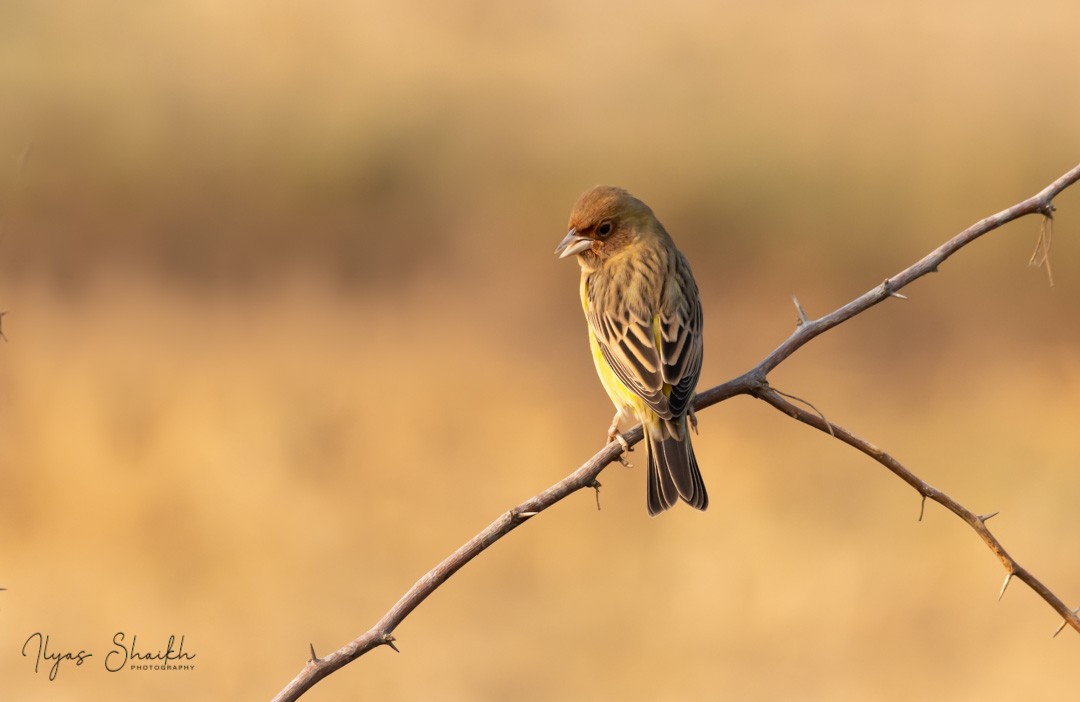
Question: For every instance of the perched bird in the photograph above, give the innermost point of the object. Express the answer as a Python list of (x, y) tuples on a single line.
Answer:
[(644, 316)]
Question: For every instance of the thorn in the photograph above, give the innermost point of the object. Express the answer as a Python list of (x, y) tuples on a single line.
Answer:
[(984, 517), (314, 658), (595, 485), (517, 517), (389, 641), (922, 508), (1008, 579), (799, 310), (886, 288), (1064, 622)]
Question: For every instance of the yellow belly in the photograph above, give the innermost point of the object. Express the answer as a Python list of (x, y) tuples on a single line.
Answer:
[(624, 399), (621, 396)]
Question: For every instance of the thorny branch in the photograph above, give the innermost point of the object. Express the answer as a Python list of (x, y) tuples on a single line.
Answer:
[(754, 382), (975, 521)]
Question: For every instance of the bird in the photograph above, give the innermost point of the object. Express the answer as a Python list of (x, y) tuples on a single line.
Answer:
[(643, 312)]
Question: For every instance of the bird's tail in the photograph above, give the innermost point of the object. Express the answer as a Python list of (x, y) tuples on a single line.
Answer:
[(673, 469)]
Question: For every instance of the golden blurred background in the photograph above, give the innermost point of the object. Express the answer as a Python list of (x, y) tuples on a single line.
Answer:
[(284, 328)]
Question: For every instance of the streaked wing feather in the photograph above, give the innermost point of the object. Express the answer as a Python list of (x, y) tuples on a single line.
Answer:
[(635, 362), (647, 353), (680, 341)]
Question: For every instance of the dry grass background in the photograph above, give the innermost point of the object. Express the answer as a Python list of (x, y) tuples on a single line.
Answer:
[(285, 329)]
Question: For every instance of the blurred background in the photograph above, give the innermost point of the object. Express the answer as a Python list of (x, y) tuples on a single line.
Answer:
[(284, 329)]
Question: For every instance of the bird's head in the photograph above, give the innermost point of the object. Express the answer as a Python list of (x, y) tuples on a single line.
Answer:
[(604, 221)]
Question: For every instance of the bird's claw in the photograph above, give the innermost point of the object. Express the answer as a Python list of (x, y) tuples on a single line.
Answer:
[(614, 435)]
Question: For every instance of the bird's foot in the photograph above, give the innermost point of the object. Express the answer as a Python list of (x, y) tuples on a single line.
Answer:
[(614, 435)]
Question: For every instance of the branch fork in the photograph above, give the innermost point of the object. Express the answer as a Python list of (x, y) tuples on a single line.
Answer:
[(753, 382)]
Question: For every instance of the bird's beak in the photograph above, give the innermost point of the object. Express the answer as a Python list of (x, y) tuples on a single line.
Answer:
[(572, 244)]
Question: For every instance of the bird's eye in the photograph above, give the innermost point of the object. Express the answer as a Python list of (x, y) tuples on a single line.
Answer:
[(604, 229)]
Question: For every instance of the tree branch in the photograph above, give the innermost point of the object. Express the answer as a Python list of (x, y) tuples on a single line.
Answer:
[(975, 521), (753, 382), (1041, 203)]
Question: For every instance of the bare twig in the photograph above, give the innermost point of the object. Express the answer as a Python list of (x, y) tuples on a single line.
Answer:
[(1041, 203), (1041, 255), (976, 522), (380, 634), (802, 318), (753, 382), (808, 404)]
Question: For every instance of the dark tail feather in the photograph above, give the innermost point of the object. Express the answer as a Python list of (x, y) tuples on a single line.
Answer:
[(673, 471)]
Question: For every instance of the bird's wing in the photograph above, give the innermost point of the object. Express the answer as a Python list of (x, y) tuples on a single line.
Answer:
[(629, 347), (646, 349), (680, 327)]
